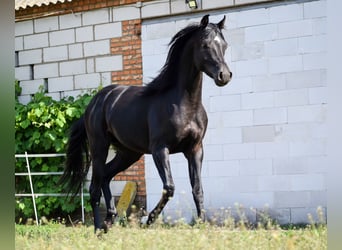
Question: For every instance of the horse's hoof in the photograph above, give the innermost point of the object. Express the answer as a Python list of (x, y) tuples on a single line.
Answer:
[(143, 220), (99, 233), (106, 226)]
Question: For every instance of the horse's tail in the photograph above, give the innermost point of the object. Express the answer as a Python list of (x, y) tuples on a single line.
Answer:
[(77, 163)]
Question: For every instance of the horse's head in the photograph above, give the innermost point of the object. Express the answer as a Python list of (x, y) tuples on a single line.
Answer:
[(209, 49)]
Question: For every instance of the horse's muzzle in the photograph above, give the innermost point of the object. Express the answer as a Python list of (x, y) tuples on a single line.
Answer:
[(223, 77)]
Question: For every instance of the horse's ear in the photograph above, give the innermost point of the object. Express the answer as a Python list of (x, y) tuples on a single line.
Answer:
[(205, 21), (221, 23)]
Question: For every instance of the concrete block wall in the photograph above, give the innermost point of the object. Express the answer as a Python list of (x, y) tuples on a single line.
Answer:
[(69, 53), (265, 146)]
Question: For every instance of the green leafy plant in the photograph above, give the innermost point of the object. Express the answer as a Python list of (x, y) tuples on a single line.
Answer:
[(41, 126)]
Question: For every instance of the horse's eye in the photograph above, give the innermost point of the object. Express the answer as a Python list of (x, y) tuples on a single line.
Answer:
[(205, 46)]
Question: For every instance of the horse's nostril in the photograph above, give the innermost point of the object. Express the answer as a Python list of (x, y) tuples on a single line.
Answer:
[(231, 74), (220, 76)]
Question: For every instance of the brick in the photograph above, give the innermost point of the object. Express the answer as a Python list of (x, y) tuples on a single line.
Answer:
[(312, 113), (87, 81), (160, 30), (220, 135), (270, 116), (23, 28), (19, 43), (30, 57), (312, 44), (84, 34), (237, 118), (223, 168), (274, 183), (234, 37), (157, 8), (62, 37), (286, 13), (178, 6), (319, 26), (73, 93), (31, 86), (225, 103), (70, 20), (53, 54), (291, 97), (125, 13), (251, 68), (318, 164), (96, 48), (36, 41), (239, 151), (90, 63), (252, 17), (315, 9), (258, 134), (293, 132), (60, 84), (261, 33), (305, 79), (45, 70), (271, 150), (284, 64), (247, 51), (315, 61), (238, 86), (108, 63), (290, 166), (46, 24), (23, 73), (308, 182), (318, 95), (308, 148), (75, 67), (106, 79), (55, 96), (24, 99), (295, 29), (255, 167), (95, 16), (269, 82), (291, 199), (213, 153), (109, 30), (257, 100), (318, 198), (208, 4), (283, 47), (75, 51)]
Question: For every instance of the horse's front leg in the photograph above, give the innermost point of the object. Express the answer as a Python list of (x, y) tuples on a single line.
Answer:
[(161, 159), (195, 158)]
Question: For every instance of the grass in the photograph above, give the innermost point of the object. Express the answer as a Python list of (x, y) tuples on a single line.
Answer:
[(178, 236)]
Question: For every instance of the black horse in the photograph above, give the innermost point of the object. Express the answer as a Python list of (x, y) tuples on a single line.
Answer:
[(162, 118)]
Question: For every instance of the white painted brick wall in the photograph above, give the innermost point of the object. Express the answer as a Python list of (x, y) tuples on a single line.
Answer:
[(23, 73), (36, 41), (23, 28), (84, 34), (70, 21), (53, 54), (109, 30), (96, 48), (60, 84), (45, 70), (109, 63), (87, 81), (46, 24), (75, 67), (27, 57), (126, 13), (95, 16), (31, 86), (62, 37)]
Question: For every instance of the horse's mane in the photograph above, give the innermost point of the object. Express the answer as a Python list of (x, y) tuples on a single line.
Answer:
[(168, 73)]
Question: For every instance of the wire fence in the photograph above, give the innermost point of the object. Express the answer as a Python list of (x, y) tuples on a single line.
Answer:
[(30, 174)]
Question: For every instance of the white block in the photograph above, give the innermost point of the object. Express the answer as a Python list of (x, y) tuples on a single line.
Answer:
[(258, 134), (261, 33), (301, 215), (320, 26), (96, 48), (308, 182), (291, 97), (46, 24), (270, 116), (223, 168), (220, 135), (315, 9), (308, 148), (19, 43), (213, 153), (252, 17), (36, 41), (30, 57), (55, 96), (70, 20), (318, 164), (237, 118), (225, 103), (239, 151), (75, 67), (315, 61), (53, 54), (125, 13), (289, 199), (23, 73), (157, 8), (60, 84), (209, 4), (106, 78), (257, 100), (23, 28), (108, 30), (108, 63), (290, 166), (312, 44), (271, 150), (295, 29), (274, 183), (293, 132), (160, 30), (254, 67), (269, 82), (283, 47), (45, 70), (238, 85), (95, 16), (75, 50), (305, 79), (255, 167), (312, 113), (247, 51), (87, 81), (318, 95), (90, 63), (318, 198), (286, 13), (24, 99), (284, 64), (62, 37), (31, 87), (84, 34)]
